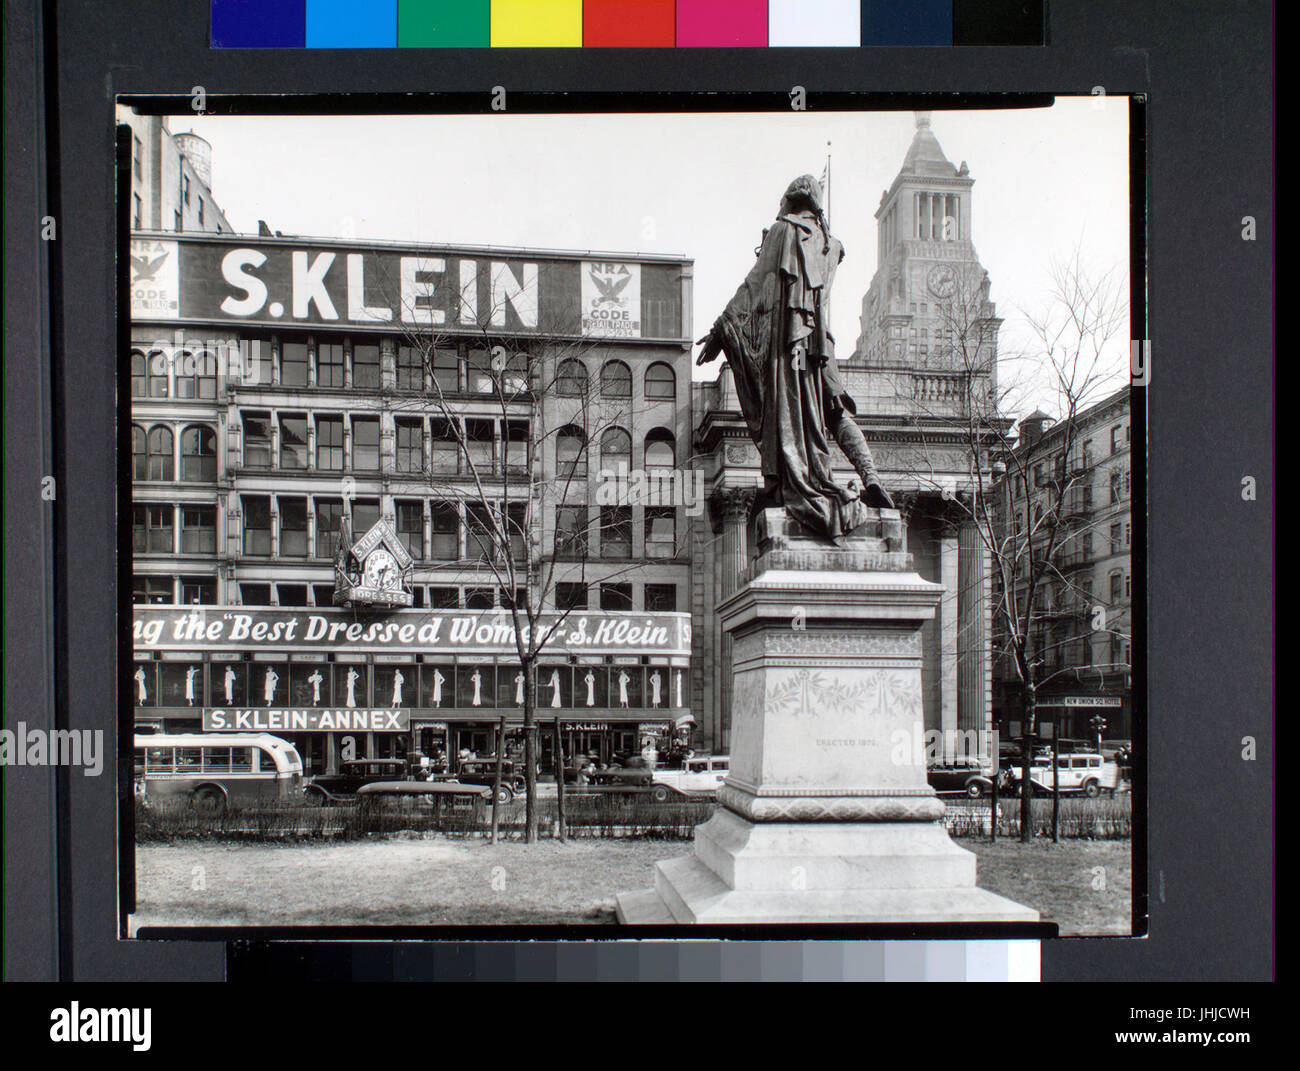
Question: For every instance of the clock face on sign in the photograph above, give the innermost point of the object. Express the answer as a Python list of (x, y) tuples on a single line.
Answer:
[(381, 571), (942, 281)]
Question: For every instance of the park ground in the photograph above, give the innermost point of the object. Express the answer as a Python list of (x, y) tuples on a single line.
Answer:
[(433, 880)]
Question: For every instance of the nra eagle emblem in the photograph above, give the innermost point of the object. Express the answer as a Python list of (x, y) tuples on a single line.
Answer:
[(611, 285), (144, 269)]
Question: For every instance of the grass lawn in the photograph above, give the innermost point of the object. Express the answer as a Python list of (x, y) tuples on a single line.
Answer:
[(433, 880)]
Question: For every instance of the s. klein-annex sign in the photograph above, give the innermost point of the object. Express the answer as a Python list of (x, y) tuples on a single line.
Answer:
[(489, 632), (312, 284)]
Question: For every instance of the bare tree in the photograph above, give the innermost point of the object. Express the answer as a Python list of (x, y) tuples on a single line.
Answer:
[(523, 496), (1028, 506)]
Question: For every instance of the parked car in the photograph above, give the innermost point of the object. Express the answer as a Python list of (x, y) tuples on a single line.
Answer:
[(352, 775), (969, 779), (1082, 772), (483, 772), (700, 775)]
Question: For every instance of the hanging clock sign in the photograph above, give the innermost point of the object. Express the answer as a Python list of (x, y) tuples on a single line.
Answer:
[(375, 571)]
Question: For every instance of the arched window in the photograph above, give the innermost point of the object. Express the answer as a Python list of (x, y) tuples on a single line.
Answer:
[(156, 367), (139, 469), (159, 459), (660, 383), (571, 379), (199, 454), (570, 455), (615, 380), (660, 449), (139, 374), (615, 450)]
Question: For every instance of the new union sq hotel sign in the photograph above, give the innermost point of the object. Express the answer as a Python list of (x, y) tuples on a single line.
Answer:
[(278, 283)]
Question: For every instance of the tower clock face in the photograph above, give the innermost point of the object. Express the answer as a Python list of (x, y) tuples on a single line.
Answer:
[(942, 281)]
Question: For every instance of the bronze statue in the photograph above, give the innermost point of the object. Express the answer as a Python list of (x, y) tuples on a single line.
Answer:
[(775, 335)]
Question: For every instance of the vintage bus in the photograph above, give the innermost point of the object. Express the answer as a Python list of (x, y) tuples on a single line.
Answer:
[(214, 771)]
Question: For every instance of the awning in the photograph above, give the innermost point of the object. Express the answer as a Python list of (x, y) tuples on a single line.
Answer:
[(684, 720)]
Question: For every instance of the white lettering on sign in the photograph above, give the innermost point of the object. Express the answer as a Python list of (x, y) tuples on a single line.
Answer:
[(309, 286), (611, 299), (417, 289), (358, 310), (188, 628), (522, 295), (304, 719), (253, 289)]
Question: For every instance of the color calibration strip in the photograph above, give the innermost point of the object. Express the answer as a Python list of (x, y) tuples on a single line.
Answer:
[(354, 24)]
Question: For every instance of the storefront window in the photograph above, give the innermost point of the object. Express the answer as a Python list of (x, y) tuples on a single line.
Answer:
[(144, 684), (590, 686), (554, 686), (475, 685), (396, 685), (437, 685), (269, 684), (181, 684), (351, 685)]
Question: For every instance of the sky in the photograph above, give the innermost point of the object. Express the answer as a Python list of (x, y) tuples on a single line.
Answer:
[(1047, 182)]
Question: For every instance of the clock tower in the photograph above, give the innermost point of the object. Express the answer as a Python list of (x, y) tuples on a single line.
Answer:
[(926, 321), (923, 373)]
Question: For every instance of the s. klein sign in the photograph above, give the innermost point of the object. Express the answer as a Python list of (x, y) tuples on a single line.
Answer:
[(306, 285), (490, 632), (304, 719)]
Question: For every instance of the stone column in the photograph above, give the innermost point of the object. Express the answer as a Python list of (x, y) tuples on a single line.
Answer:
[(973, 656), (730, 507), (947, 621)]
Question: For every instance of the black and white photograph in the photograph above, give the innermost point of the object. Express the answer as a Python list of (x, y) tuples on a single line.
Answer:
[(633, 519)]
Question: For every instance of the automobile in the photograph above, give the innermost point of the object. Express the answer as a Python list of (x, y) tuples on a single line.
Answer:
[(969, 779), (1086, 773), (483, 772), (628, 791), (701, 774), (437, 797), (352, 776)]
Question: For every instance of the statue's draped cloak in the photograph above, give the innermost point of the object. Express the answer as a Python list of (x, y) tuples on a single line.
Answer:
[(776, 339)]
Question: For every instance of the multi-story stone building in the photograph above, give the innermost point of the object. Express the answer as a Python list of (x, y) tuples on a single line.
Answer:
[(1082, 619), (281, 386), (923, 373), (171, 178)]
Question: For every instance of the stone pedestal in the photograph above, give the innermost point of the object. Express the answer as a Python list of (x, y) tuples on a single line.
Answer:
[(826, 815)]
